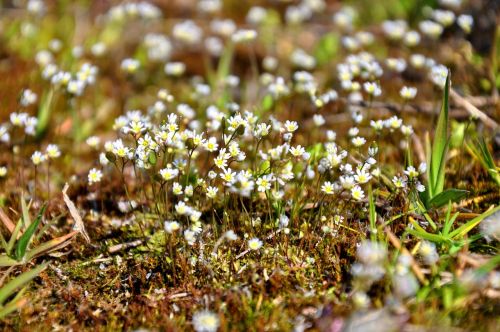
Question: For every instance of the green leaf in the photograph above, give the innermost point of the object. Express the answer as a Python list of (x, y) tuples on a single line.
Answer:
[(25, 239), (326, 48), (152, 158), (111, 157), (449, 195), (440, 145), (44, 113), (267, 103), (9, 289)]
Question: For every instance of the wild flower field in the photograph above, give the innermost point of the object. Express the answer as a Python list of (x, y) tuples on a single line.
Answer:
[(238, 165)]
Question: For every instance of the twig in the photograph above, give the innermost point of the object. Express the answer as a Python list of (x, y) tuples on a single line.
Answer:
[(414, 266), (122, 246), (473, 110)]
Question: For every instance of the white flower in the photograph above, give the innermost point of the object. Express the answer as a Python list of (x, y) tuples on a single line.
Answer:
[(406, 130), (318, 120), (357, 193), (212, 192), (130, 65), (171, 226), (291, 126), (411, 172), (205, 321), (176, 188), (187, 32), (28, 98), (362, 176), (3, 171), (264, 183), (372, 88), (211, 144), (53, 151), (328, 188), (393, 122), (93, 141), (94, 176), (399, 182), (428, 252), (181, 208), (244, 35), (168, 173), (465, 22), (297, 151), (231, 235), (37, 158), (422, 168), (358, 141), (228, 176), (254, 244), (408, 92), (190, 236)]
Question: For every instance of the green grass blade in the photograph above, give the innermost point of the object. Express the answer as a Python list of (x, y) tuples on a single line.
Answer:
[(373, 215), (26, 213), (14, 305), (25, 239), (422, 233), (467, 227), (440, 145), (9, 289), (426, 236), (13, 237)]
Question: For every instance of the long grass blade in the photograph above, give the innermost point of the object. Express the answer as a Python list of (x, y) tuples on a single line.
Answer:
[(25, 239), (9, 288), (440, 144)]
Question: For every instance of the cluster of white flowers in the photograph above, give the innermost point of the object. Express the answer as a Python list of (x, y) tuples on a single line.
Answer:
[(144, 10)]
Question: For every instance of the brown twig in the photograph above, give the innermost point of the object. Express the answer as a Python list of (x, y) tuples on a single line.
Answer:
[(398, 245)]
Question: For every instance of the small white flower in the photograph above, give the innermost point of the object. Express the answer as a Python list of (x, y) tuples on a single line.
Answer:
[(3, 171), (264, 183), (171, 226), (411, 172), (328, 188), (408, 92), (37, 158), (212, 192), (205, 321), (254, 244), (53, 151), (168, 173), (28, 98), (297, 151), (372, 88), (291, 126), (399, 182), (94, 176), (181, 208), (93, 141), (357, 193), (358, 141)]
